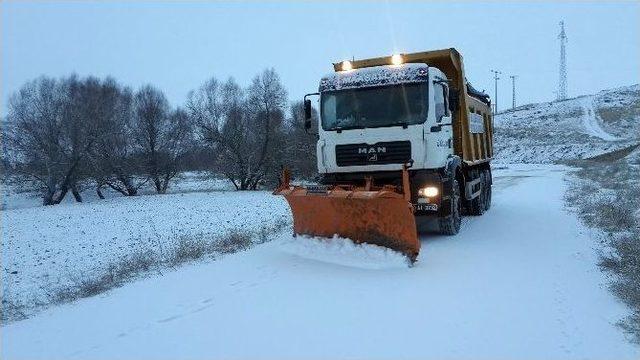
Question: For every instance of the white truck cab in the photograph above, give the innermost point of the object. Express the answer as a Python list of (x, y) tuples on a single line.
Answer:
[(379, 118)]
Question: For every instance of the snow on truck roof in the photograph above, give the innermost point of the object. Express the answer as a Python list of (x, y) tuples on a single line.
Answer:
[(374, 76)]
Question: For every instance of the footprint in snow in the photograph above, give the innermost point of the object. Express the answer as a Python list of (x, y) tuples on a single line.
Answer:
[(171, 318)]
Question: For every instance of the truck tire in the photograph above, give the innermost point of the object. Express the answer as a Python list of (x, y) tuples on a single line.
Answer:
[(478, 204), (450, 225), (488, 183)]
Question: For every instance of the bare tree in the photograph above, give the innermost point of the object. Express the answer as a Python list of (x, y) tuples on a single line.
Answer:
[(48, 137), (61, 135), (300, 147), (5, 154), (33, 134), (162, 135), (218, 111), (79, 135), (243, 128), (267, 99), (114, 157)]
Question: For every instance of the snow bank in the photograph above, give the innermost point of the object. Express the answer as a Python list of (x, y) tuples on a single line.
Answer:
[(344, 252)]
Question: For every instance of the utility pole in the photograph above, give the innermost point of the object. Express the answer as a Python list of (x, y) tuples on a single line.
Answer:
[(562, 83), (495, 93), (513, 91)]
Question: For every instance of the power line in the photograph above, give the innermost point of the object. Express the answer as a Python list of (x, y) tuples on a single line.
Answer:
[(562, 83), (495, 91), (513, 91)]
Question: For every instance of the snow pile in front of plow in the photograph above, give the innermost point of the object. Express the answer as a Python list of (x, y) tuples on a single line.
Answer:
[(341, 251)]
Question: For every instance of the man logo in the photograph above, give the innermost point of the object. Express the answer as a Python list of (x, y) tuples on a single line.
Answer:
[(372, 152)]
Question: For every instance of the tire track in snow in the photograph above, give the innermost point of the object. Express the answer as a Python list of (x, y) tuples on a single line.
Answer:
[(565, 320), (591, 123)]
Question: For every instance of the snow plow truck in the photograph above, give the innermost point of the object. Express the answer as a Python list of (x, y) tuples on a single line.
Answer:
[(404, 146)]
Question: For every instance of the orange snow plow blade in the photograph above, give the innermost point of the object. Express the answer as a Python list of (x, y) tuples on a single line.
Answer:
[(382, 217)]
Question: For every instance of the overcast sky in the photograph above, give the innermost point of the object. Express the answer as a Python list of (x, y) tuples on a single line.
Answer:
[(177, 46)]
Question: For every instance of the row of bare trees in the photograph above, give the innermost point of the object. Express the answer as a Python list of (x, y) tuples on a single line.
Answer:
[(65, 135)]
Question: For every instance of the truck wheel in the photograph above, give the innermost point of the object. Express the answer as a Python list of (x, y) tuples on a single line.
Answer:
[(478, 204), (487, 198), (450, 225)]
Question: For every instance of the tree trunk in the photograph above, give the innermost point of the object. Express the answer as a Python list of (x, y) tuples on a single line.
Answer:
[(165, 185), (244, 184), (76, 193), (254, 184), (130, 190), (99, 192), (157, 184), (235, 184), (117, 188), (47, 198), (63, 192)]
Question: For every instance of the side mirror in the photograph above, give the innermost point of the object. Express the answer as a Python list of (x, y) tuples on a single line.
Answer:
[(307, 114), (307, 111)]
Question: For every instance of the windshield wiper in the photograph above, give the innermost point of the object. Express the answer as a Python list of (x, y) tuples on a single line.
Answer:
[(403, 123), (340, 128)]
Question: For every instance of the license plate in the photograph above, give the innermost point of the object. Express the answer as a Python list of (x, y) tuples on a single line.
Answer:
[(427, 207)]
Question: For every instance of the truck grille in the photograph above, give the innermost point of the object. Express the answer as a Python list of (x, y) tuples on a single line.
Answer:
[(395, 152)]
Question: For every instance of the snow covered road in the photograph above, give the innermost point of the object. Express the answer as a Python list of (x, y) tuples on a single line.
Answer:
[(519, 282)]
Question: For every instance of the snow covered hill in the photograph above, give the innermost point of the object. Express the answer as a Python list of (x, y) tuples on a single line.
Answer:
[(576, 128), (527, 290)]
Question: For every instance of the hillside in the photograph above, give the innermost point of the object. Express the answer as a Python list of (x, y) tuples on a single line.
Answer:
[(576, 128)]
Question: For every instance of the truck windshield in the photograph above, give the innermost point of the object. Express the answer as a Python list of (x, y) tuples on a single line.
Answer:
[(404, 104)]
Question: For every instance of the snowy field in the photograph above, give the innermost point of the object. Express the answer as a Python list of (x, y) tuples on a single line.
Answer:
[(45, 249), (528, 290)]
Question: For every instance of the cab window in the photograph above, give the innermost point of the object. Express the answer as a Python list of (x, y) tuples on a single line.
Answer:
[(439, 96)]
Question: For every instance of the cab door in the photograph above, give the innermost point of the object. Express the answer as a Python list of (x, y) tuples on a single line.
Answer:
[(439, 139)]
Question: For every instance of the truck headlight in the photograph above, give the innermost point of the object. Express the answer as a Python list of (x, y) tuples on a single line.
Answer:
[(347, 66), (397, 59), (428, 191)]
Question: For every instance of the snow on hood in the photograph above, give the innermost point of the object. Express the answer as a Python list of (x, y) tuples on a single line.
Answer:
[(374, 76)]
